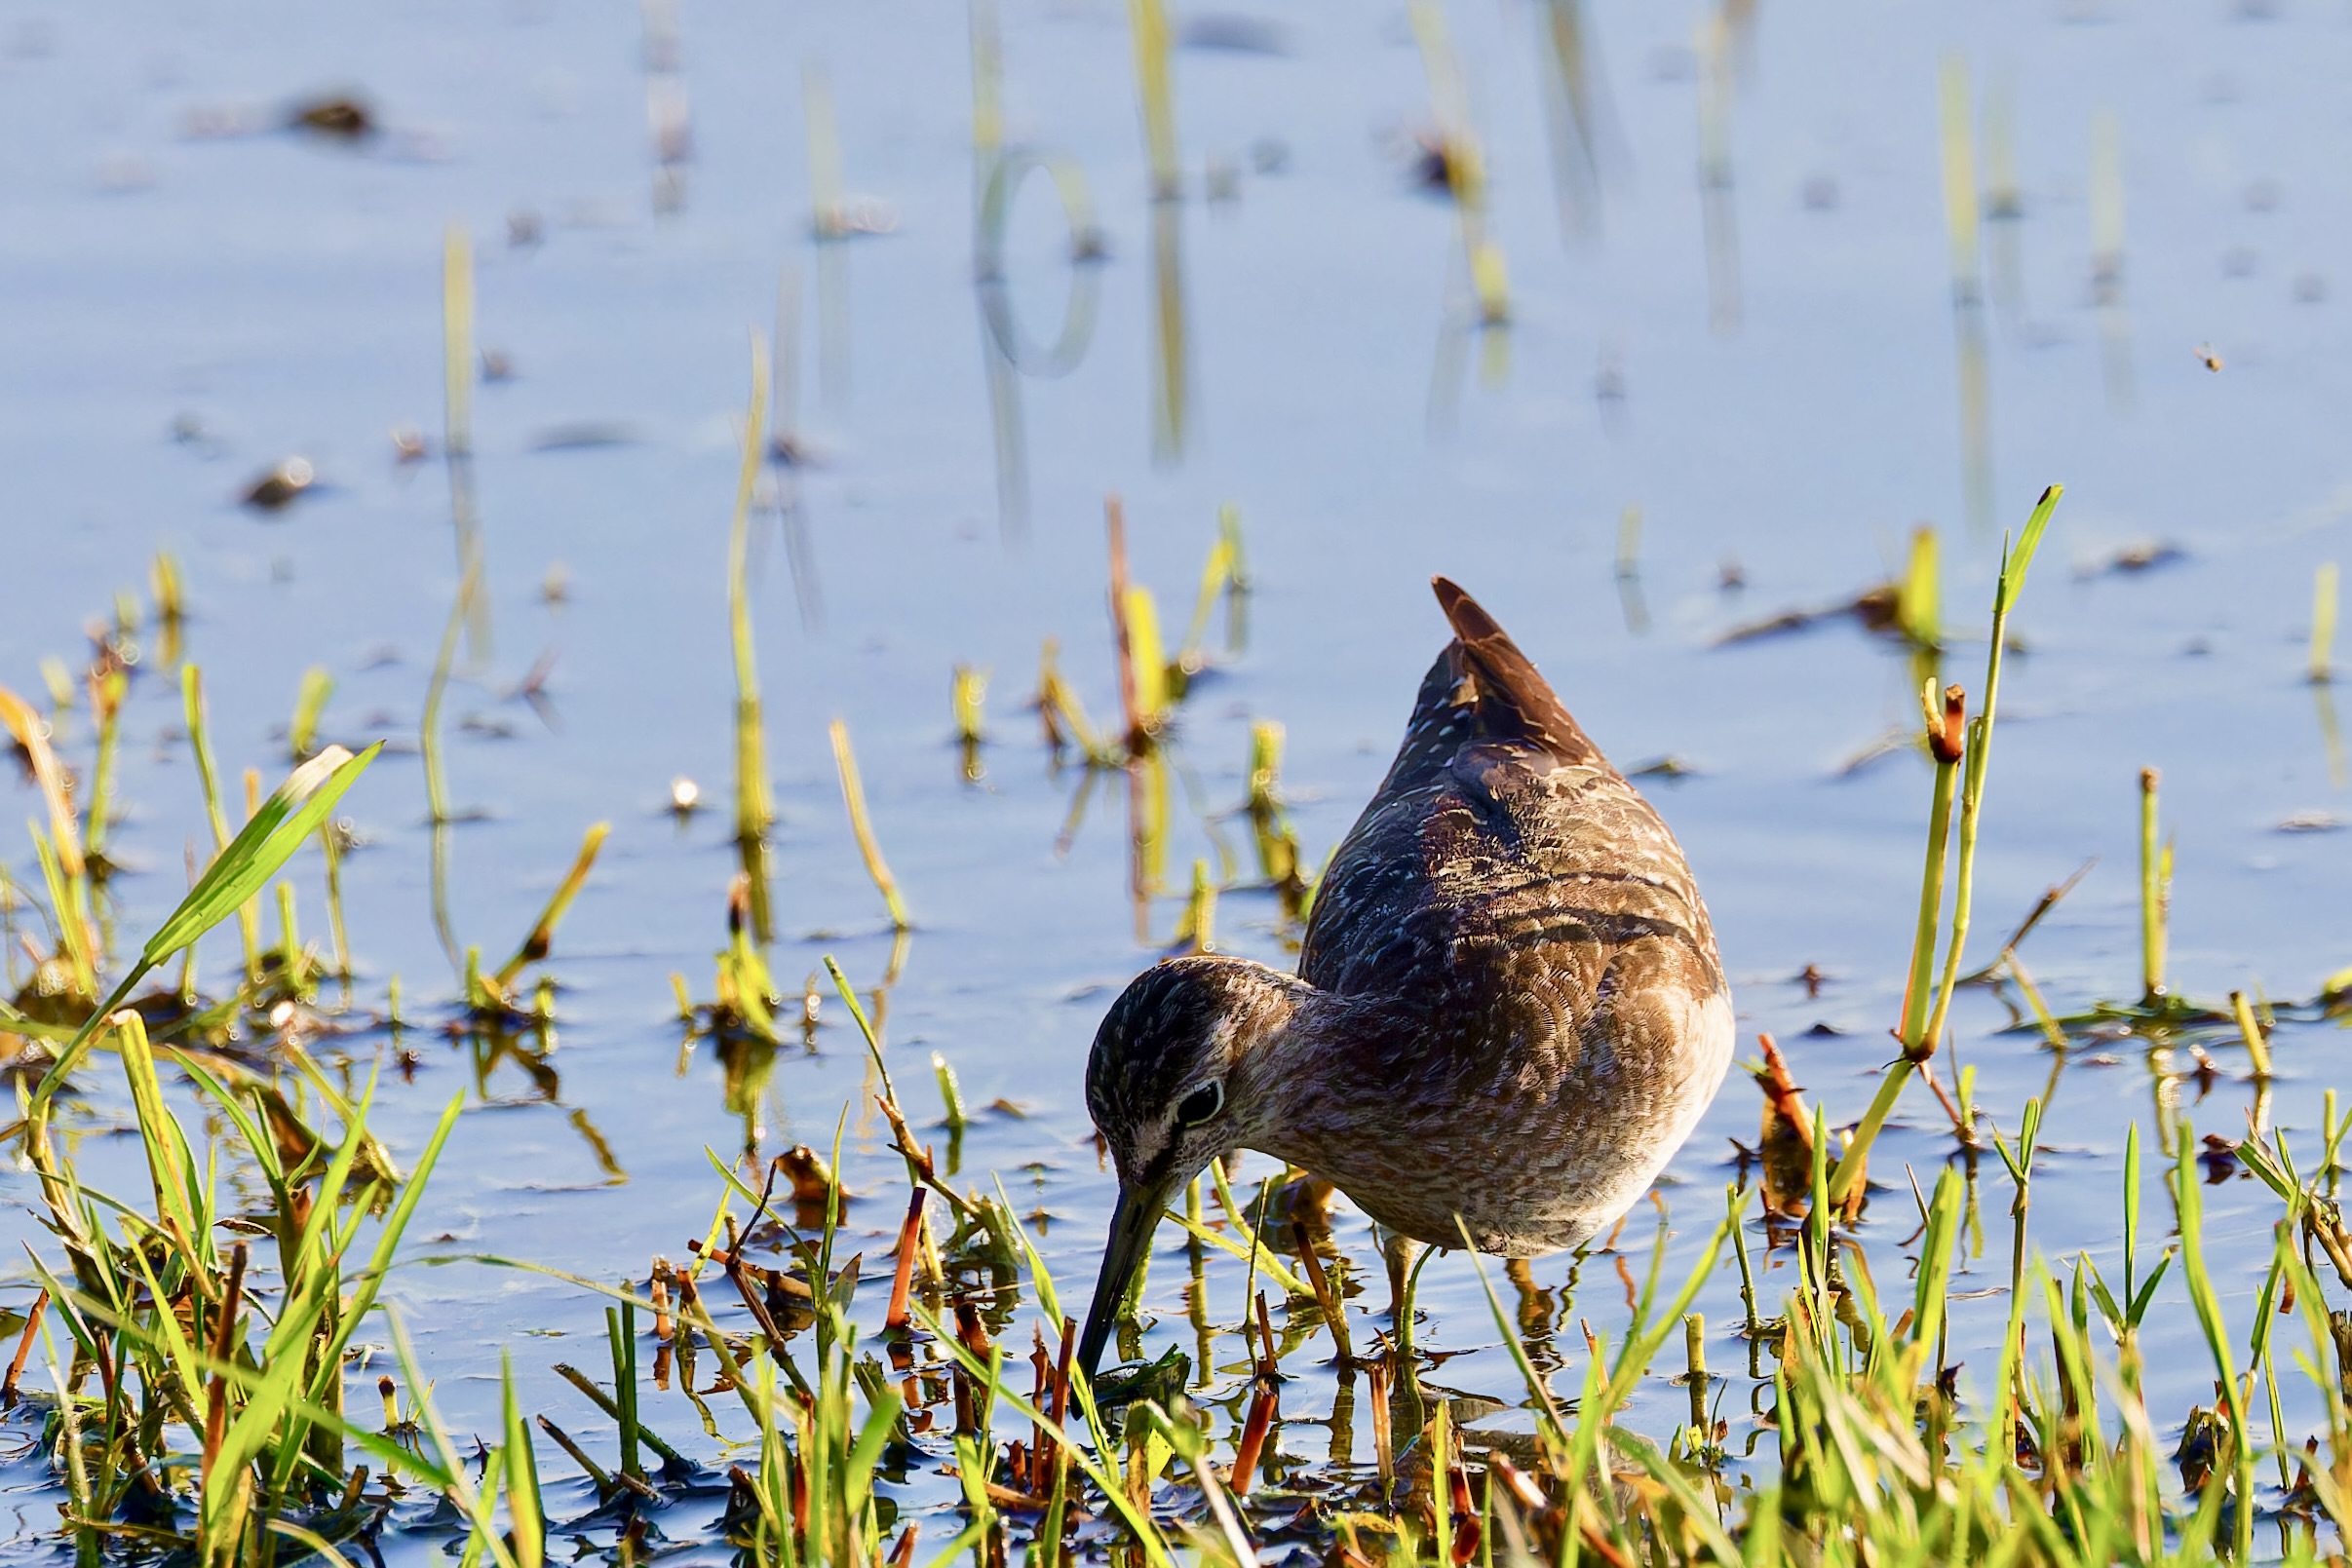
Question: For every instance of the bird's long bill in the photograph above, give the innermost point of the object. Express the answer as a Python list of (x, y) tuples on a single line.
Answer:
[(1131, 1224)]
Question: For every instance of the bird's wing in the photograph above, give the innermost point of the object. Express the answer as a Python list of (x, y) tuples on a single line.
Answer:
[(1499, 817)]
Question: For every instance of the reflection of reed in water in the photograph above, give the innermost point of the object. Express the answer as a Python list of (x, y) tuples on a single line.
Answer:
[(830, 223), (1962, 226), (457, 442), (1576, 113), (788, 454), (2004, 203), (1629, 570), (1007, 351), (755, 806), (1718, 218), (1171, 389), (1461, 163), (2107, 257), (1171, 383), (2322, 667), (667, 116)]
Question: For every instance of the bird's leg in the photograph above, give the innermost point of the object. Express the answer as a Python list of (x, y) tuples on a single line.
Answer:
[(1401, 1252), (1404, 1256)]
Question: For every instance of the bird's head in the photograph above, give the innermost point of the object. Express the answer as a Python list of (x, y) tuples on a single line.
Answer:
[(1177, 1079)]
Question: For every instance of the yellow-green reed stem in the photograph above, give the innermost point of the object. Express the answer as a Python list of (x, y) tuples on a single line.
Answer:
[(2188, 1207), (107, 688), (171, 606), (2020, 1175), (968, 696), (1142, 621), (1919, 597), (2155, 892), (302, 734), (1148, 18), (1694, 1363), (63, 861), (330, 845), (952, 1093), (191, 692), (289, 938), (2249, 1029), (1943, 742), (542, 938), (1197, 931), (73, 924), (2323, 624), (457, 439), (1946, 744), (853, 795), (2265, 1318), (1980, 749), (753, 809), (457, 340), (1735, 1201), (1920, 1034), (1216, 578)]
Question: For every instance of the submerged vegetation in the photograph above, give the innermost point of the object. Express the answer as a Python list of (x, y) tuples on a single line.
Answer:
[(188, 1364)]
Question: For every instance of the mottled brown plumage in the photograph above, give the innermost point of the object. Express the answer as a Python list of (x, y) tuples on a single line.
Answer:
[(1508, 1010)]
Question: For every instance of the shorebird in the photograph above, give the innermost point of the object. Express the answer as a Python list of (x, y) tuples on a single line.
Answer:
[(1508, 1014)]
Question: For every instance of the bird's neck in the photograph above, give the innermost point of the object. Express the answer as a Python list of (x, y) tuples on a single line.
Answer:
[(1299, 1060)]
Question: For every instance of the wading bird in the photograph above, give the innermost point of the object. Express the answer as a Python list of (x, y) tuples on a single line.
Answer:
[(1508, 1014)]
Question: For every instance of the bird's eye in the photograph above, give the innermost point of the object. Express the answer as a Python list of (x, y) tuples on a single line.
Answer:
[(1201, 1104)]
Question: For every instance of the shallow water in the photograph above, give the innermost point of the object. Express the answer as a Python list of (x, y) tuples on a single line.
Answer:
[(267, 295)]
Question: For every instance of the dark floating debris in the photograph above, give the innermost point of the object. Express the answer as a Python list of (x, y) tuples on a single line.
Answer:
[(1231, 32), (2141, 555), (342, 116), (584, 435), (1669, 766), (278, 489)]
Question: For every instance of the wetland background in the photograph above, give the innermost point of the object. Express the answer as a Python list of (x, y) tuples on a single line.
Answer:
[(1650, 324)]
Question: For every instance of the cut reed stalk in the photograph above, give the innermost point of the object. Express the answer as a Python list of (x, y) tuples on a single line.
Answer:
[(2249, 1029), (870, 849), (2323, 624), (2155, 892), (755, 809), (302, 734), (542, 937)]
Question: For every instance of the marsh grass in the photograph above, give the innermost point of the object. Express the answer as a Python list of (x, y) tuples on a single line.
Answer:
[(195, 1398)]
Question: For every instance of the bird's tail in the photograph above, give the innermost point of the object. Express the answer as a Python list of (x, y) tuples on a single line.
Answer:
[(1514, 700)]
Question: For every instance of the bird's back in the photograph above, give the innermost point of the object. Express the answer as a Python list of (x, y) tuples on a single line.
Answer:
[(1514, 922)]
